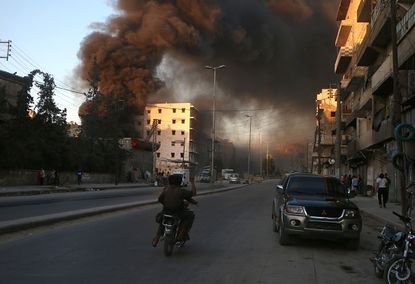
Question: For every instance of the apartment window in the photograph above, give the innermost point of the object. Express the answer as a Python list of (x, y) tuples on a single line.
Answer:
[(172, 155), (148, 121), (333, 114), (183, 109), (173, 132), (181, 155), (182, 132), (183, 121), (174, 110), (182, 144), (173, 143), (159, 121), (158, 155), (173, 121), (159, 132), (148, 111), (159, 110)]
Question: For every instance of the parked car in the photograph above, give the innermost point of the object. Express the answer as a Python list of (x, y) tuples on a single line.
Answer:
[(234, 178), (315, 206)]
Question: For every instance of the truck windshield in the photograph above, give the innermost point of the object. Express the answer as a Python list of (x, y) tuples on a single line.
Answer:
[(320, 186)]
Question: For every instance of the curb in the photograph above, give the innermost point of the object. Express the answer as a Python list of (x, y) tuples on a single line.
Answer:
[(13, 226)]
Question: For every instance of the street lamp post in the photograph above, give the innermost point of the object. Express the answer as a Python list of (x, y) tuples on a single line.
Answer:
[(212, 163), (249, 147)]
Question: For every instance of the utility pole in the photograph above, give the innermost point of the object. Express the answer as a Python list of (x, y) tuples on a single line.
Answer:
[(338, 132), (267, 160), (260, 155), (212, 163), (397, 104), (249, 147), (318, 139), (9, 45)]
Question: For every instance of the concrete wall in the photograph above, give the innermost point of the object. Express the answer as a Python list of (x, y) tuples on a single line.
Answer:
[(29, 177)]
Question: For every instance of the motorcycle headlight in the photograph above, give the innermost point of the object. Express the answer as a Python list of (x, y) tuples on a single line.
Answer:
[(297, 210), (350, 213)]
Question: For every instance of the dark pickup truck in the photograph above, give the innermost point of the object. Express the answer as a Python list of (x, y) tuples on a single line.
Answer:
[(315, 206)]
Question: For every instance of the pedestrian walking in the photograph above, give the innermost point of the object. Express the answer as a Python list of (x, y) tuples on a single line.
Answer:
[(382, 189), (355, 185), (56, 177), (79, 176), (41, 176)]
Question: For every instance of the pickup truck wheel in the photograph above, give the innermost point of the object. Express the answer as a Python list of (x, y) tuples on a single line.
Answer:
[(283, 240), (274, 222)]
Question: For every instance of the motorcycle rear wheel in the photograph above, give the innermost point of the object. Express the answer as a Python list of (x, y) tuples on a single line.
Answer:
[(399, 270), (168, 245)]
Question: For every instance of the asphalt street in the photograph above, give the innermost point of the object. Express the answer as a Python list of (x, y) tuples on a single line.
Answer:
[(232, 241)]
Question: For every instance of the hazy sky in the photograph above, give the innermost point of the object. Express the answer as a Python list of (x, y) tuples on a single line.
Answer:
[(46, 34), (279, 54)]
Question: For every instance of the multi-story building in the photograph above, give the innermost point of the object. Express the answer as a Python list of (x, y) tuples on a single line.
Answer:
[(176, 131), (367, 83), (10, 86), (324, 138)]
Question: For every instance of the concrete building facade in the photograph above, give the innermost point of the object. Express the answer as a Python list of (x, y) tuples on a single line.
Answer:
[(176, 131), (367, 85)]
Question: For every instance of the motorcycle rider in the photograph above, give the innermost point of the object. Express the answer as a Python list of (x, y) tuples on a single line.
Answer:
[(172, 198)]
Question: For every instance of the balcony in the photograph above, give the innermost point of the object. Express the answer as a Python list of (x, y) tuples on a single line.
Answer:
[(366, 54), (343, 32), (381, 79), (343, 8), (363, 12), (344, 56), (385, 132), (357, 77), (406, 36), (380, 24), (365, 101)]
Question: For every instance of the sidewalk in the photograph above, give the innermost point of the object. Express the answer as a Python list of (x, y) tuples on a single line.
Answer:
[(44, 189), (370, 206)]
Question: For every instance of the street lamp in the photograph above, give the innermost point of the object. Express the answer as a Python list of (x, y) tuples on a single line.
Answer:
[(249, 147), (212, 163)]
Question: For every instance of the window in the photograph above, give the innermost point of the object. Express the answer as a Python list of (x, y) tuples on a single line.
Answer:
[(148, 111), (158, 155), (182, 144), (148, 132), (183, 109), (148, 121), (139, 123), (173, 121), (159, 110), (333, 114), (173, 143), (159, 121), (182, 132), (172, 155), (174, 110), (159, 132), (181, 155), (173, 132), (183, 121)]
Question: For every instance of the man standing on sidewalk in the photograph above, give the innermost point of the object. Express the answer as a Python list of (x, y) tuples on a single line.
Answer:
[(382, 189)]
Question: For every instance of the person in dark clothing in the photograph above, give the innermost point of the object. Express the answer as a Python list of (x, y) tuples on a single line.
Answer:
[(173, 199)]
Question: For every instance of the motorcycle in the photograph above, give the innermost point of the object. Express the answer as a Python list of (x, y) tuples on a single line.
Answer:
[(391, 244), (399, 268), (171, 225)]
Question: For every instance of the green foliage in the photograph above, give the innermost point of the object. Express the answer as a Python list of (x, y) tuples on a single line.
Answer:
[(42, 141)]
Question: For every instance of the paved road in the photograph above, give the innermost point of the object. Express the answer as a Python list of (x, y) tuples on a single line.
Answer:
[(17, 207), (231, 242)]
